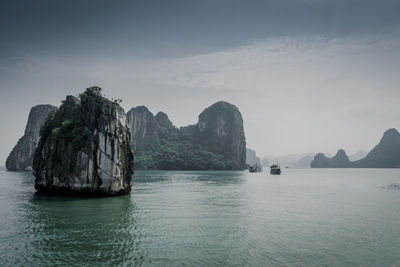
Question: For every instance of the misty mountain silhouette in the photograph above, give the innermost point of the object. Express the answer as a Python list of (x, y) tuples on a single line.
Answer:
[(386, 154)]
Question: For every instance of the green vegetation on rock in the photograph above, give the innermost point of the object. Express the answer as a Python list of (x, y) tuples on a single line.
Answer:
[(84, 148), (216, 142)]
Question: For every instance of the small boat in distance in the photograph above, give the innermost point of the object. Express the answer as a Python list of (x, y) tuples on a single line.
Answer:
[(275, 169), (255, 168)]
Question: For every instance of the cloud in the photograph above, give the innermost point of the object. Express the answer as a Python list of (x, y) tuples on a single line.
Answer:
[(321, 87), (297, 64), (13, 59)]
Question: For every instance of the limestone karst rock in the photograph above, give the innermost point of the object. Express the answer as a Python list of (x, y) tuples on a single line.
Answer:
[(386, 154), (84, 148), (216, 142), (163, 120), (143, 128), (21, 157), (221, 130), (340, 160)]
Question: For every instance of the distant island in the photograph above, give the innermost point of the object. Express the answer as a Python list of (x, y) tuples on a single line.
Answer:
[(386, 154)]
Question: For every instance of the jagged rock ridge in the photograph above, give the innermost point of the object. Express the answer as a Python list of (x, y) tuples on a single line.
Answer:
[(384, 155), (340, 160), (143, 128), (84, 148), (217, 141), (21, 157)]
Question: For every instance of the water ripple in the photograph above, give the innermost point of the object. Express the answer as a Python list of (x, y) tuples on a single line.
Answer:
[(308, 217)]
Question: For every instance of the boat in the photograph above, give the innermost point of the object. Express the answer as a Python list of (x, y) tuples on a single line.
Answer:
[(255, 168), (275, 169)]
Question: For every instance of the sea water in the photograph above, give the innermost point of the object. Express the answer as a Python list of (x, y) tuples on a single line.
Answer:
[(331, 217)]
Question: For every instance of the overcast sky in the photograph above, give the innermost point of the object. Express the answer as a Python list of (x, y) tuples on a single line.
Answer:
[(307, 75)]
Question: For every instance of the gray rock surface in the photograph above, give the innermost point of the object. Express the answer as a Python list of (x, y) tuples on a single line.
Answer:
[(143, 128), (21, 157), (216, 142), (340, 160), (386, 154), (221, 130), (84, 148)]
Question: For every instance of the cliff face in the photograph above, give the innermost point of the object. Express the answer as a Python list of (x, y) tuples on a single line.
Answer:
[(217, 141), (84, 148), (143, 128), (21, 157), (384, 155), (163, 120), (340, 160), (221, 130)]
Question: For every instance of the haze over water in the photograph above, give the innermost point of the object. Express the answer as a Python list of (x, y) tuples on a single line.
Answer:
[(331, 217)]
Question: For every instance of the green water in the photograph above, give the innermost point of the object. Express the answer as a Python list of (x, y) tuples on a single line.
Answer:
[(331, 217)]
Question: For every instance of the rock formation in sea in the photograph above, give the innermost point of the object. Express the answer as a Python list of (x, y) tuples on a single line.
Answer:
[(143, 128), (251, 157), (221, 131), (340, 160), (216, 142), (84, 148), (384, 155), (21, 157)]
